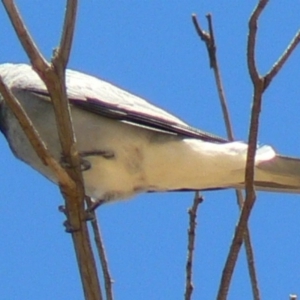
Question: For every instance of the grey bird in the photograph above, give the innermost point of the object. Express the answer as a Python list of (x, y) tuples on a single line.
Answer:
[(132, 146)]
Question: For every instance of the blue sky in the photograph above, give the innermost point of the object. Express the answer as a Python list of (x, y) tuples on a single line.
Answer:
[(151, 49)]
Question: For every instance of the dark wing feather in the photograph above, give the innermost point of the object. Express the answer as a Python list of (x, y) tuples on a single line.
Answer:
[(102, 98), (104, 109)]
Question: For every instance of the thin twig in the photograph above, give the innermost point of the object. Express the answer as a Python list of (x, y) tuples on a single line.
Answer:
[(75, 209), (250, 198), (211, 48), (249, 252), (63, 52), (54, 79), (252, 142), (281, 61), (252, 39), (27, 42), (204, 36), (101, 252), (191, 245), (259, 88), (33, 136)]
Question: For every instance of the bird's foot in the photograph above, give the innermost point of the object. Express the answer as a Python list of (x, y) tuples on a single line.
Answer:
[(68, 227), (84, 164), (90, 211)]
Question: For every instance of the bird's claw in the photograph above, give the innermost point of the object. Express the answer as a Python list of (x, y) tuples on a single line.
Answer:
[(69, 228), (95, 205), (84, 164), (89, 216), (62, 208)]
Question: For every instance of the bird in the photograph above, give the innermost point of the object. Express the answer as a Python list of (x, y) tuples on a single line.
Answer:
[(132, 146)]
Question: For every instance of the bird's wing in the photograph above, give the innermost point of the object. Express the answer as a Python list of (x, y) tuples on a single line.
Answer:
[(100, 97), (103, 98)]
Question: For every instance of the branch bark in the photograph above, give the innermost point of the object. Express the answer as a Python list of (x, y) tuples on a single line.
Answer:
[(33, 136), (191, 246), (53, 76), (101, 251), (209, 40), (259, 86)]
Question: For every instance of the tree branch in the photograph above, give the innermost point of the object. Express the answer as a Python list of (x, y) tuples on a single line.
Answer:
[(191, 246), (28, 44), (101, 251), (252, 39), (211, 48), (252, 142), (63, 53), (259, 88), (33, 136), (281, 61), (54, 78)]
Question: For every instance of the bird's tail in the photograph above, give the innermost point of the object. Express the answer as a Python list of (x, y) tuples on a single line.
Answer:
[(276, 173)]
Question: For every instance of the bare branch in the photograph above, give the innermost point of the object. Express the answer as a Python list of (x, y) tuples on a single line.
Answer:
[(191, 245), (34, 137), (101, 250), (260, 86), (249, 253), (54, 78), (252, 142), (252, 39), (56, 85), (209, 40), (202, 34), (63, 53), (27, 42), (281, 61)]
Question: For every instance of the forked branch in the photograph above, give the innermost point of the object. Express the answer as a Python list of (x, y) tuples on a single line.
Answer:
[(53, 76), (259, 87), (209, 40)]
